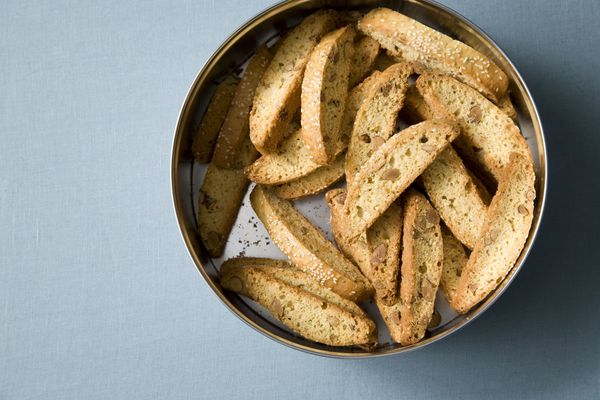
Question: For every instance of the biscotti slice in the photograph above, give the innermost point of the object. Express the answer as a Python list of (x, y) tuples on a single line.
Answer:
[(430, 50), (383, 241), (376, 252), (455, 259), (366, 50), (376, 118), (492, 135), (356, 97), (235, 127), (324, 93), (292, 162), (391, 169), (208, 130), (316, 181), (307, 247), (221, 196), (307, 314), (455, 196), (503, 236), (277, 96), (285, 272), (422, 259)]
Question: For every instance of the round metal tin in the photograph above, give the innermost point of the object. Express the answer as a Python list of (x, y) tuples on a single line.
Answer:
[(232, 54)]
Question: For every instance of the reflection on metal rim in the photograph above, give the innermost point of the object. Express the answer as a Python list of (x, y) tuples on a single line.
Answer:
[(279, 15)]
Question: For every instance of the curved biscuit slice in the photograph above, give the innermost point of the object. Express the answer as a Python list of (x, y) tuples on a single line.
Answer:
[(307, 314), (503, 236), (316, 181), (277, 96), (324, 94), (422, 258), (306, 246), (235, 127), (208, 130), (391, 169), (492, 135), (455, 259), (430, 50), (376, 118), (454, 195), (366, 50)]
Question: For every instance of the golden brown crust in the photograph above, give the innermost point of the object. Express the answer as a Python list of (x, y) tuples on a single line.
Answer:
[(430, 50), (324, 94), (235, 127), (208, 130), (278, 94)]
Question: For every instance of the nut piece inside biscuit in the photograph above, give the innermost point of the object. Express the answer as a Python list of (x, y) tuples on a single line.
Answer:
[(235, 283), (475, 114), (523, 210), (377, 141), (379, 254), (276, 307), (333, 320), (390, 174)]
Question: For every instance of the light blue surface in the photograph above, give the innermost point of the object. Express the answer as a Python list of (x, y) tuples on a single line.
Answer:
[(98, 296)]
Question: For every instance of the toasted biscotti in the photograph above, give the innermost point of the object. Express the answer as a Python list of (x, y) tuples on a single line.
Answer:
[(455, 259), (422, 258), (365, 53), (235, 127), (305, 313), (504, 233), (454, 195), (356, 97), (208, 130), (306, 246), (377, 251), (316, 181), (277, 96), (391, 169), (430, 50), (293, 161), (376, 118), (324, 94), (384, 241), (285, 272), (219, 203), (490, 132)]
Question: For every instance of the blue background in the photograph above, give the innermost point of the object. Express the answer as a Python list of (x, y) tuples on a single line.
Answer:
[(98, 296)]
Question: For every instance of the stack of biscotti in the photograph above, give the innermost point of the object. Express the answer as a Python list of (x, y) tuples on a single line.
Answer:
[(441, 206)]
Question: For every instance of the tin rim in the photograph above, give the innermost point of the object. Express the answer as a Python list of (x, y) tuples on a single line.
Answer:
[(473, 313)]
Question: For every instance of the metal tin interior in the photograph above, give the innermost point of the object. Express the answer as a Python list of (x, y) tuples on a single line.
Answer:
[(237, 49)]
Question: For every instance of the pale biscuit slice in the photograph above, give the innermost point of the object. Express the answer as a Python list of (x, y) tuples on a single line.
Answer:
[(324, 94), (221, 196), (376, 252), (376, 118), (430, 50), (208, 130), (307, 247), (277, 96), (391, 169), (492, 135), (422, 258), (305, 313), (504, 234), (454, 195), (313, 183), (235, 127)]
